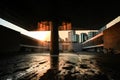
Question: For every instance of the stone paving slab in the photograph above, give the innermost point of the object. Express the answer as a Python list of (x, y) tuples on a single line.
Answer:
[(37, 67)]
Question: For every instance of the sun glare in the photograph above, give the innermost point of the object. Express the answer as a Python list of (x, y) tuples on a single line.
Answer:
[(40, 35)]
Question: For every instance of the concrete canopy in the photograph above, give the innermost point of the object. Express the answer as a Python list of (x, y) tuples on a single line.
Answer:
[(83, 15)]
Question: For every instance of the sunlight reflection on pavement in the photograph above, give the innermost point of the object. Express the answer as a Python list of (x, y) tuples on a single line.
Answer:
[(33, 66)]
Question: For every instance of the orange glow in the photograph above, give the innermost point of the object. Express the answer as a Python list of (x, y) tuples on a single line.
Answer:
[(40, 35)]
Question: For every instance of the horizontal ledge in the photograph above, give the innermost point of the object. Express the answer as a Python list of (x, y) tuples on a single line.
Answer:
[(100, 45)]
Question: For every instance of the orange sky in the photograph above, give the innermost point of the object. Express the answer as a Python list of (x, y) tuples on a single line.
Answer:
[(45, 35)]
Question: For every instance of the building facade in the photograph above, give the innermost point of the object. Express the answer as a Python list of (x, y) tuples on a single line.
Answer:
[(83, 37)]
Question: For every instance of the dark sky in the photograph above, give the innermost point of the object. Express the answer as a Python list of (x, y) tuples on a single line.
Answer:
[(82, 14)]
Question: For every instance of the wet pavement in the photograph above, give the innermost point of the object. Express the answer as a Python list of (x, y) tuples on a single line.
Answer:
[(36, 66), (24, 67)]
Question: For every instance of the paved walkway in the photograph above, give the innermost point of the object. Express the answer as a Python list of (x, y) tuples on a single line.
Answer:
[(72, 66)]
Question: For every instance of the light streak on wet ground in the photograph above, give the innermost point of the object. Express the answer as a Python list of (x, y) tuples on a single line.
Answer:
[(34, 66), (27, 66)]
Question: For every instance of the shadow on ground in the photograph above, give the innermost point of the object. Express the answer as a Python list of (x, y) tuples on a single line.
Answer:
[(110, 65)]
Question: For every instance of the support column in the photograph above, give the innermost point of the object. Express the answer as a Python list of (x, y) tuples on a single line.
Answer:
[(54, 53)]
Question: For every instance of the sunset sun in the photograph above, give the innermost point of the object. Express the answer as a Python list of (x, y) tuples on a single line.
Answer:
[(40, 35)]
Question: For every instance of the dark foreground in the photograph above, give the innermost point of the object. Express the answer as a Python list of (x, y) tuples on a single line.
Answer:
[(82, 66)]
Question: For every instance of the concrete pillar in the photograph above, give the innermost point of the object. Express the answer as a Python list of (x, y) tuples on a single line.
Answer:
[(54, 53)]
